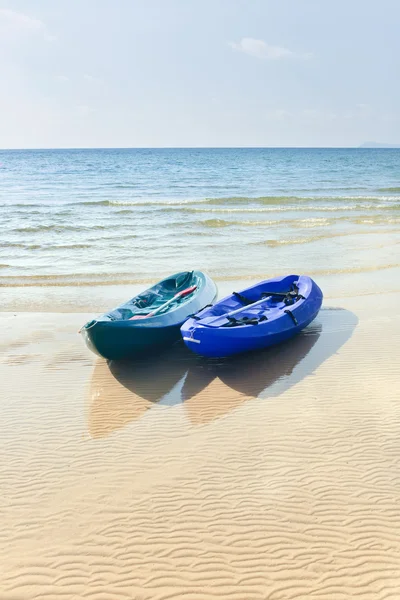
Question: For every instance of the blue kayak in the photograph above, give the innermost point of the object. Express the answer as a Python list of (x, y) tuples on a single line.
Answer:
[(150, 321), (265, 314)]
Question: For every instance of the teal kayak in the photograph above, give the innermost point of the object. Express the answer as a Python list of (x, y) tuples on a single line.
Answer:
[(150, 321)]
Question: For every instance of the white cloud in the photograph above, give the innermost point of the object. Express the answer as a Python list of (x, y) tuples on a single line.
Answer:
[(13, 24), (279, 114), (261, 49), (318, 114), (61, 78), (84, 110), (12, 20), (312, 115), (91, 78), (364, 110)]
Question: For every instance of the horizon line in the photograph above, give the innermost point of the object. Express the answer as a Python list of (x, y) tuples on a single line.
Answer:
[(359, 147)]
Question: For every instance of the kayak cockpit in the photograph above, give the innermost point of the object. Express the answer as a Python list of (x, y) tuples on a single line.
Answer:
[(150, 321), (259, 303), (171, 291)]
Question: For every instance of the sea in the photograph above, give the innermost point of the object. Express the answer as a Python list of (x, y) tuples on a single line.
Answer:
[(132, 216)]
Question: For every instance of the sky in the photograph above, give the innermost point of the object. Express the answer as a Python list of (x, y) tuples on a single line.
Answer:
[(178, 73)]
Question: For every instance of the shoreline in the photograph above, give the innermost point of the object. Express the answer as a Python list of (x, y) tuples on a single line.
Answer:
[(101, 298)]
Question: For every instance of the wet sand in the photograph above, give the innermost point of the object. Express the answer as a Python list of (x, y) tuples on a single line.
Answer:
[(273, 475)]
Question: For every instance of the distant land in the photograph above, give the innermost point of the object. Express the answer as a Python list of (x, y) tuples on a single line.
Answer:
[(378, 145)]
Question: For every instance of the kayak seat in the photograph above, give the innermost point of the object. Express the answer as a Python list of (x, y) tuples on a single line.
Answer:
[(145, 300), (245, 301), (233, 322), (287, 298), (120, 314), (182, 281)]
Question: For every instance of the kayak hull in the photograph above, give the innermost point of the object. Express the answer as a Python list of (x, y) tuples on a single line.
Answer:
[(213, 336), (115, 342), (116, 335)]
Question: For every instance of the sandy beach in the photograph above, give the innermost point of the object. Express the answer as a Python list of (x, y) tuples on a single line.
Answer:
[(266, 476), (143, 142)]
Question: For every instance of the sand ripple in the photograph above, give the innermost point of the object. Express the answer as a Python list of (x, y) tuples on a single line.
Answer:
[(273, 478)]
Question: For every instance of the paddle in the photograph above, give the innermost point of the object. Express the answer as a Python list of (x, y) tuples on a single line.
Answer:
[(247, 306), (235, 311), (177, 296)]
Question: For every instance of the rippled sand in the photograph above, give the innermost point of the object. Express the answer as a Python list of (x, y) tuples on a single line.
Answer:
[(270, 476)]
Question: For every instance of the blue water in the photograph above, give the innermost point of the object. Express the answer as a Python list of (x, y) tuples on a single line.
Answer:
[(73, 217)]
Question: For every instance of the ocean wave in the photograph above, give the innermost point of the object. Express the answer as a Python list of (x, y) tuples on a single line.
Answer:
[(259, 276), (240, 200), (245, 203), (211, 223), (140, 202), (271, 209), (112, 238), (268, 200), (69, 246), (74, 280), (311, 222), (217, 223), (8, 206), (273, 243), (20, 245), (264, 223), (377, 220), (294, 241), (57, 228), (91, 203), (390, 189), (51, 247), (12, 245)]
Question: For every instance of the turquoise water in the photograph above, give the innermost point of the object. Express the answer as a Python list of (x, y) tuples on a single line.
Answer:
[(124, 216)]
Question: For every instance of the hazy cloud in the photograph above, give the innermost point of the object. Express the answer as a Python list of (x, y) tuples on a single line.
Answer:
[(91, 78), (10, 20), (278, 114), (322, 115), (14, 24), (261, 49), (84, 110)]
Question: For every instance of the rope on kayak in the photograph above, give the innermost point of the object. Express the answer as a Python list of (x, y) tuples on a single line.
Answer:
[(195, 315), (242, 298), (232, 322), (289, 312), (289, 297)]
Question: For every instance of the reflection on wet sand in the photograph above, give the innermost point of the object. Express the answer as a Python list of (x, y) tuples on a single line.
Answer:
[(153, 378), (112, 405), (235, 380), (212, 389), (123, 391), (252, 373)]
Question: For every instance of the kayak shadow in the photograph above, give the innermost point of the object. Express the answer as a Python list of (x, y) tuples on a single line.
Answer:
[(214, 387), (153, 378), (122, 391), (111, 405)]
